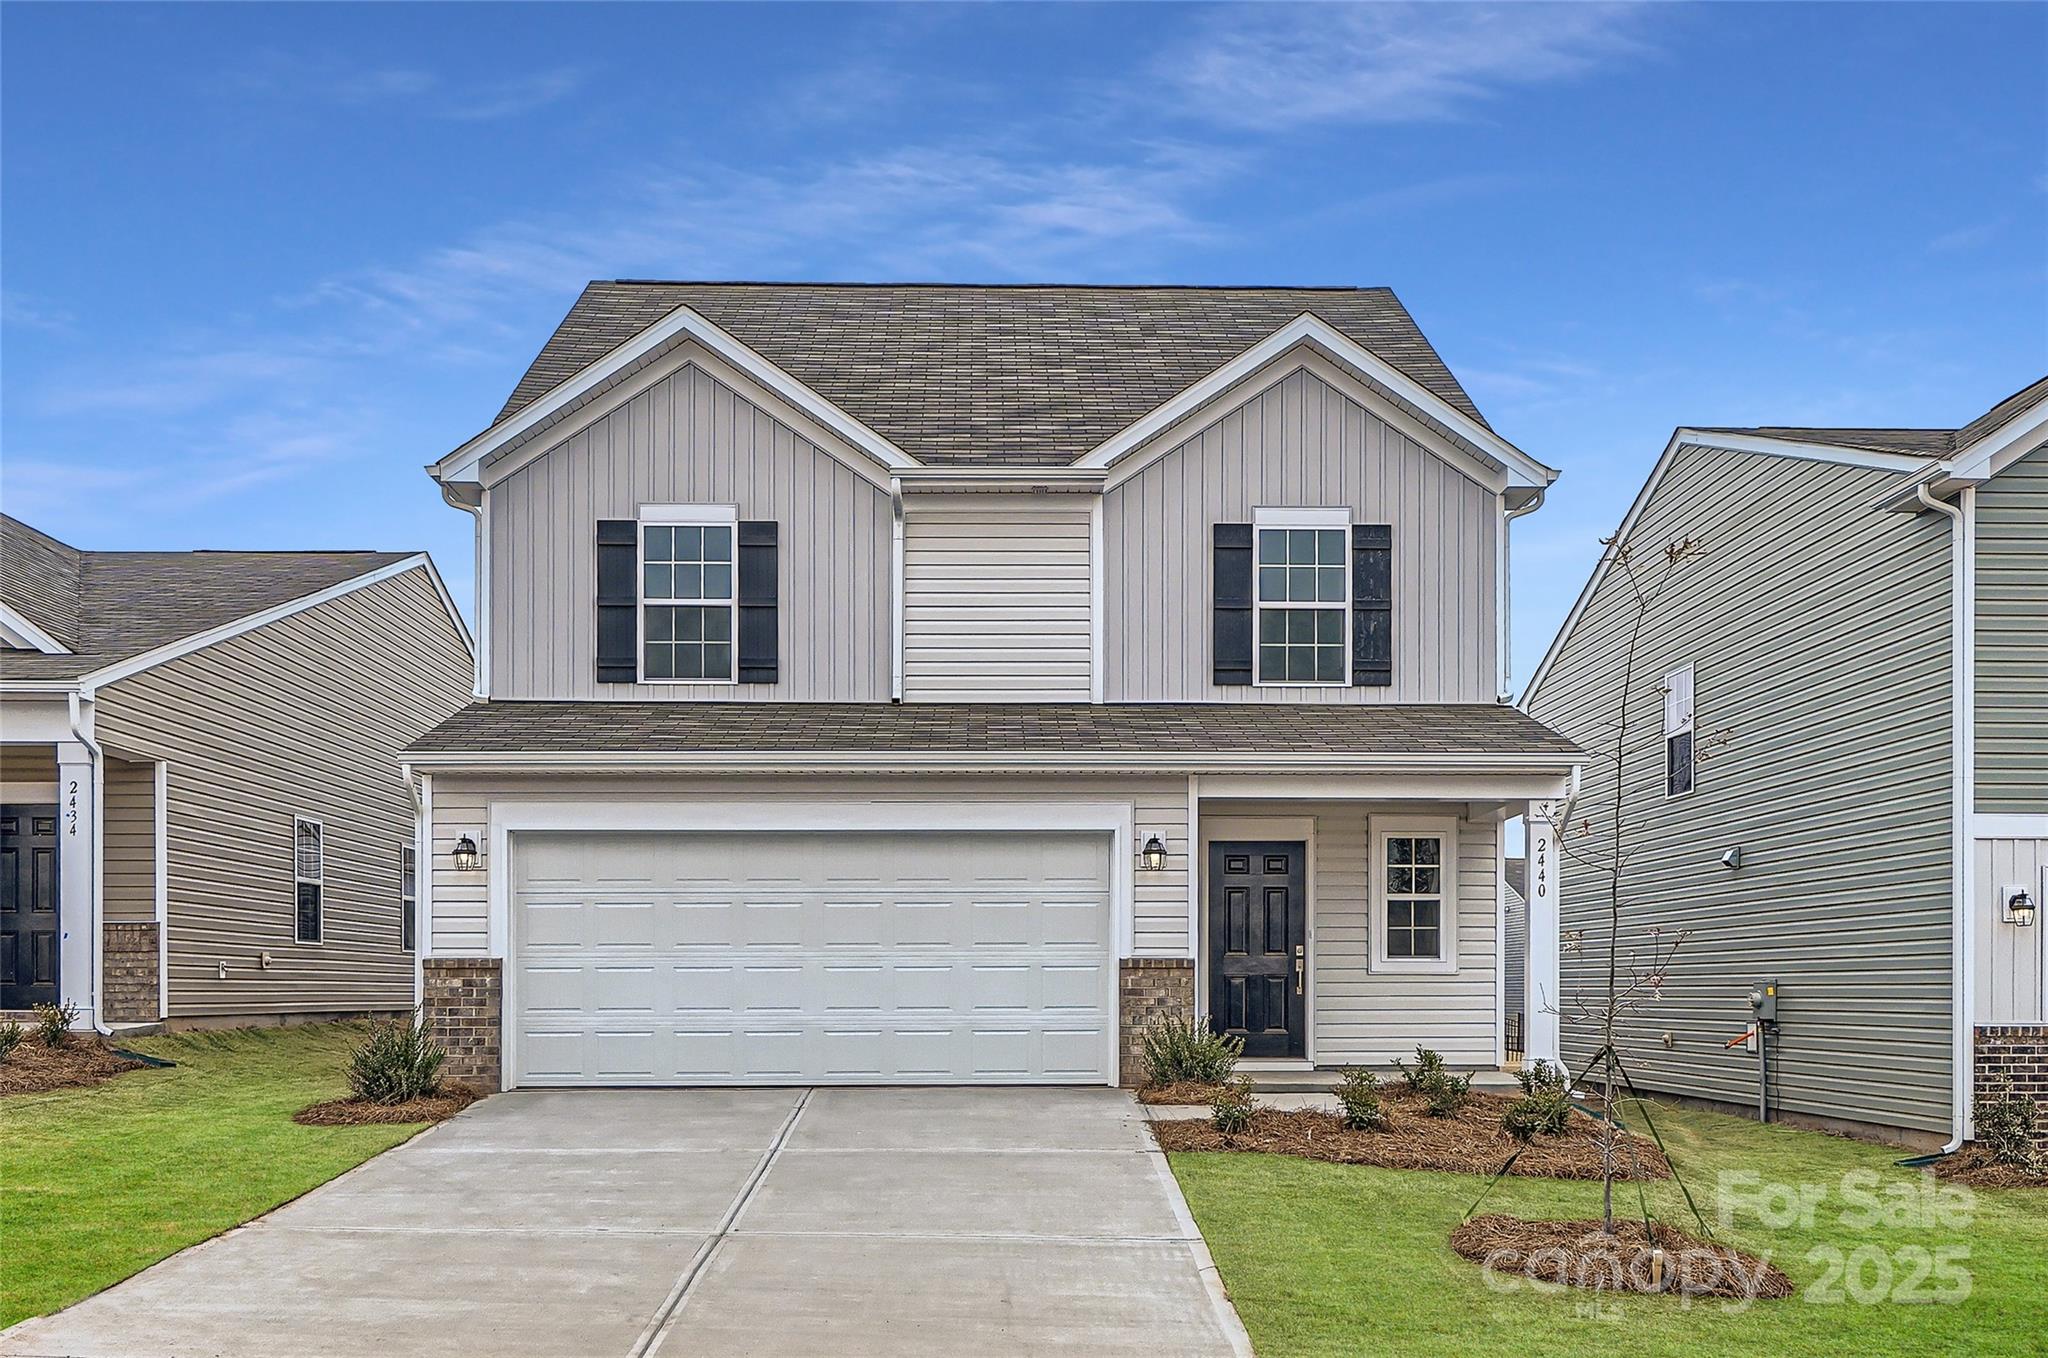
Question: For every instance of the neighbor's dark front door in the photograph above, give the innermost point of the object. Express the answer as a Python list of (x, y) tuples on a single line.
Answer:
[(1258, 941), (28, 906)]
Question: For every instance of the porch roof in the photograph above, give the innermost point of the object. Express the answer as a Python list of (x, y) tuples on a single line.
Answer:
[(1464, 731)]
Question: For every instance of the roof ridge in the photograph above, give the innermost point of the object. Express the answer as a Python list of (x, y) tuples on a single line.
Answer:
[(995, 287)]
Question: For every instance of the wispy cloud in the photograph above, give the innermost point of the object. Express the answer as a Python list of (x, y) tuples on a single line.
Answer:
[(288, 76), (1275, 66), (1970, 237)]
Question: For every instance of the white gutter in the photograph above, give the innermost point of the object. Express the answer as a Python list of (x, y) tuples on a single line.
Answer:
[(94, 866), (1962, 765), (977, 761), (1504, 599)]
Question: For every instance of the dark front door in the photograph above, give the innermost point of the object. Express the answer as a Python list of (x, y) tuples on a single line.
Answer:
[(1258, 944), (28, 906)]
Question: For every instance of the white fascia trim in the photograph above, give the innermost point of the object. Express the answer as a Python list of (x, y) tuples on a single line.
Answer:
[(41, 687), (17, 629), (2002, 447), (1698, 438), (940, 478), (994, 761), (680, 324), (1306, 328), (1990, 825), (184, 646)]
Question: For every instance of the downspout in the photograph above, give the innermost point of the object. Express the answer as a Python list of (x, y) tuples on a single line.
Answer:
[(95, 868), (420, 868), (897, 586), (1505, 596), (1962, 765)]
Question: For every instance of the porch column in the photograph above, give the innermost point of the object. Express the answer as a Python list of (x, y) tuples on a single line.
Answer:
[(1544, 1002), (78, 797)]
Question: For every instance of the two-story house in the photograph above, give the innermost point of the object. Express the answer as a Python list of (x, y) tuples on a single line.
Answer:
[(935, 684), (1836, 770)]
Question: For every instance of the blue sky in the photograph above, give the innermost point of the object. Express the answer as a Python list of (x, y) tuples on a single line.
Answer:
[(262, 263)]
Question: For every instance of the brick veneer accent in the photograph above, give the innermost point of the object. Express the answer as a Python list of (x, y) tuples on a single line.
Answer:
[(463, 1005), (1149, 988), (2020, 1053), (128, 973)]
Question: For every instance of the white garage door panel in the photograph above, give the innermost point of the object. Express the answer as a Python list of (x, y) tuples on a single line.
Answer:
[(779, 957)]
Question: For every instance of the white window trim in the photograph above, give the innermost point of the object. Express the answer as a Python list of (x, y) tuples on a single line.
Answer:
[(1263, 519), (299, 880), (408, 901), (687, 516), (1679, 721), (1444, 828)]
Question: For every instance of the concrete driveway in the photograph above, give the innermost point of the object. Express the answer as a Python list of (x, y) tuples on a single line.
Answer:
[(701, 1223)]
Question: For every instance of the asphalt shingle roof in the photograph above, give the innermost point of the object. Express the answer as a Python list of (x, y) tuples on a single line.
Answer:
[(992, 728), (121, 604), (956, 374), (1912, 442)]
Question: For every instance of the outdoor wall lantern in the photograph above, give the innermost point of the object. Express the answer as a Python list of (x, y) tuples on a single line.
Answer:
[(465, 855), (2019, 906), (1153, 857)]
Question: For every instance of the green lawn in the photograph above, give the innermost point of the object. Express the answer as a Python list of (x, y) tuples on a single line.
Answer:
[(1335, 1259), (99, 1183)]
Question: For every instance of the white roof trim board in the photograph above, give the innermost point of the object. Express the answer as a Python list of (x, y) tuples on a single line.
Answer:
[(1522, 469), (16, 627), (678, 325), (1699, 438), (86, 684), (2000, 448)]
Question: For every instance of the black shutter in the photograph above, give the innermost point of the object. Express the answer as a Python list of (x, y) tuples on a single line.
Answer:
[(618, 601), (758, 658), (1231, 603), (1372, 605)]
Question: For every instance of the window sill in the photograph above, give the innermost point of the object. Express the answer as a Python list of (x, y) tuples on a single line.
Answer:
[(1402, 966)]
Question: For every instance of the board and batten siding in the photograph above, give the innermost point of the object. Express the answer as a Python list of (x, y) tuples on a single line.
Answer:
[(2011, 962), (1819, 631), (691, 438), (1304, 441), (996, 598), (459, 921), (2012, 639), (303, 716), (128, 849)]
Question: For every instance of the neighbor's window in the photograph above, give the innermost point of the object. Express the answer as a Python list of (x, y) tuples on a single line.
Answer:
[(1678, 733), (408, 897), (1304, 595), (686, 595), (309, 874), (1415, 910)]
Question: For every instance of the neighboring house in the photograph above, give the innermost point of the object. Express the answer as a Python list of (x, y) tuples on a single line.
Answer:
[(201, 814), (1837, 776), (935, 684), (1514, 952)]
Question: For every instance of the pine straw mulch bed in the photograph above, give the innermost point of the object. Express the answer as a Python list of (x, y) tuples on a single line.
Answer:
[(1181, 1092), (447, 1101), (1974, 1167), (33, 1067), (1469, 1142), (1577, 1254)]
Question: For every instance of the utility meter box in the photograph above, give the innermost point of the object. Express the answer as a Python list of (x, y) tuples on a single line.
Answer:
[(1763, 999)]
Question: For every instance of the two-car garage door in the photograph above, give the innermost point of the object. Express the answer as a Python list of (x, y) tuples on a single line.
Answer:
[(778, 957)]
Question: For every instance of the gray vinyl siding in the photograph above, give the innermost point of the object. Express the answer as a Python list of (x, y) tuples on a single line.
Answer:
[(459, 913), (1514, 953), (128, 857), (996, 598), (1818, 626), (691, 439), (2012, 639), (301, 717), (1301, 442), (28, 765)]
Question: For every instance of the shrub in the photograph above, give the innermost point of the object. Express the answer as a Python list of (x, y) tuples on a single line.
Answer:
[(11, 1034), (2007, 1125), (1542, 1077), (396, 1062), (1230, 1112), (1429, 1077), (1545, 1107), (1360, 1097), (53, 1022), (1178, 1050)]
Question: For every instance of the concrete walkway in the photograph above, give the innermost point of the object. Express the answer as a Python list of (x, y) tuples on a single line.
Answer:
[(705, 1223)]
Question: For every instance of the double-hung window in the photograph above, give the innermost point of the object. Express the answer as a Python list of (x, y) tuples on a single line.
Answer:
[(1304, 596), (1678, 732), (309, 878), (408, 897), (687, 601), (1416, 901)]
